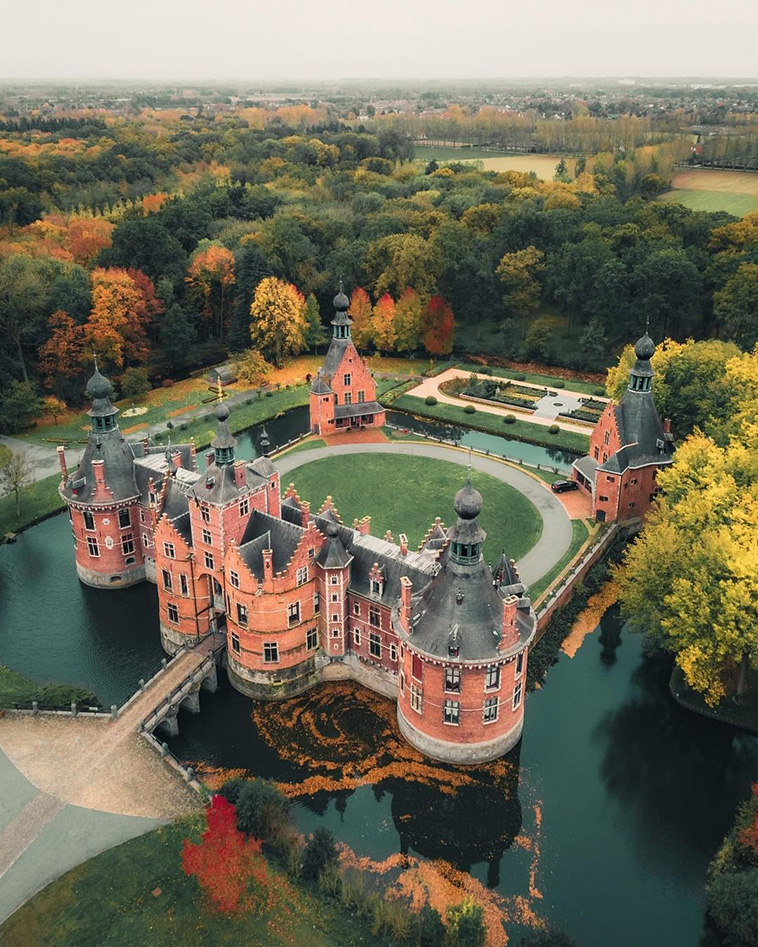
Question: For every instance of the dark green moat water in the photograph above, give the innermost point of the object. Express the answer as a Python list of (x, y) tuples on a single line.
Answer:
[(601, 822)]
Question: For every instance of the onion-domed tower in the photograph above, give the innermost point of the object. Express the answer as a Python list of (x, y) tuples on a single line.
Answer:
[(102, 497), (464, 638)]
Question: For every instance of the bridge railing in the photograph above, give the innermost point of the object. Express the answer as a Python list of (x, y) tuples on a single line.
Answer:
[(186, 772), (178, 693)]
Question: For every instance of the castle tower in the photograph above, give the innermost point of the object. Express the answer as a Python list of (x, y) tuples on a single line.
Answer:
[(102, 498), (333, 563), (343, 394), (627, 447), (464, 642)]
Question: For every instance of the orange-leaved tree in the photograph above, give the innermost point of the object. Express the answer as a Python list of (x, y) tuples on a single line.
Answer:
[(210, 275), (120, 315), (383, 323), (437, 327), (87, 236), (277, 319), (361, 312), (61, 355), (228, 865), (408, 312)]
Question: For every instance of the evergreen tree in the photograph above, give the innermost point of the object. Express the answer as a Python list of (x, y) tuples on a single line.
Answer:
[(320, 855), (176, 334), (315, 332), (250, 267)]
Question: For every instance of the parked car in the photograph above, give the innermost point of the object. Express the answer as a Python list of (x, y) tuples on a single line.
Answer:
[(561, 486)]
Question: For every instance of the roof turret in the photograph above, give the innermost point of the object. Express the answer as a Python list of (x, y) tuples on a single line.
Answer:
[(342, 320), (641, 375), (224, 442)]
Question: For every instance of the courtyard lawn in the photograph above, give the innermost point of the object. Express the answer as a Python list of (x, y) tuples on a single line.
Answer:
[(405, 494), (494, 424), (137, 893)]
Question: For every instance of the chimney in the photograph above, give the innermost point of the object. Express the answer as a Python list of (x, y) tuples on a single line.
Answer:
[(239, 474), (145, 445), (305, 512), (176, 459), (388, 536), (509, 634), (667, 426), (193, 453), (403, 544), (406, 587), (268, 565), (62, 462), (210, 457), (101, 487), (364, 526)]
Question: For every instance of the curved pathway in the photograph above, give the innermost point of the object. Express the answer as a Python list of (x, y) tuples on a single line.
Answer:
[(557, 530)]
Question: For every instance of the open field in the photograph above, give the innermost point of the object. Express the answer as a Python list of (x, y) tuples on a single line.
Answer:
[(704, 189), (542, 165), (713, 201)]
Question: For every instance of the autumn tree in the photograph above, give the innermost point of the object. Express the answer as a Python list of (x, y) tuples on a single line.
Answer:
[(210, 275), (383, 323), (87, 236), (408, 312), (401, 260), (117, 326), (252, 367), (465, 925), (736, 306), (519, 273), (437, 327), (361, 313), (277, 320), (60, 357)]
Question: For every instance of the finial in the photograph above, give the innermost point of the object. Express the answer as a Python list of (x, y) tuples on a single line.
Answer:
[(341, 287), (94, 358), (468, 471), (647, 324), (219, 387)]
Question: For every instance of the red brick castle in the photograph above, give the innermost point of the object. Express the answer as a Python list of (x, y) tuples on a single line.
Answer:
[(301, 596)]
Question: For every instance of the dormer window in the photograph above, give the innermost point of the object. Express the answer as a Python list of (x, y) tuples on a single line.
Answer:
[(376, 587)]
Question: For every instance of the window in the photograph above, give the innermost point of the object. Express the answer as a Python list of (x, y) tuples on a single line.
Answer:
[(376, 587), (311, 639), (519, 663), (356, 608), (607, 437), (335, 596), (207, 538), (451, 712), (633, 481), (346, 379), (375, 645), (597, 453), (334, 579), (271, 652), (453, 680), (348, 398), (417, 668), (173, 613), (234, 579), (490, 710), (393, 652), (374, 617), (183, 584), (603, 499), (492, 678), (123, 518), (357, 636), (302, 575), (235, 642), (402, 683), (208, 560), (92, 546), (168, 581), (293, 613), (361, 397), (168, 551), (146, 540), (316, 603), (605, 456), (142, 516), (517, 696), (244, 506), (205, 514), (311, 553), (631, 505), (89, 520), (335, 616), (417, 699), (127, 543), (241, 614), (336, 631)]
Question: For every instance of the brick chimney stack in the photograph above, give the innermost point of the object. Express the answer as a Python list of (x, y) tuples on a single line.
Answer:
[(406, 587), (268, 565), (101, 490), (62, 462), (403, 544), (305, 512), (210, 457), (667, 426), (509, 634), (239, 474), (364, 526), (176, 459)]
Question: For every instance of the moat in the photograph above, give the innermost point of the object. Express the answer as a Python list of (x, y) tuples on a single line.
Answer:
[(603, 819)]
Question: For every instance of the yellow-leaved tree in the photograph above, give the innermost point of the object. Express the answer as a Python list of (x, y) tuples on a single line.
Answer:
[(277, 319)]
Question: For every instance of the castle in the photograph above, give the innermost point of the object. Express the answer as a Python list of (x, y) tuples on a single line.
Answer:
[(301, 596)]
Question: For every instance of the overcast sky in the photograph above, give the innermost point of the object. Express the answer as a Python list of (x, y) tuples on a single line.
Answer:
[(323, 39)]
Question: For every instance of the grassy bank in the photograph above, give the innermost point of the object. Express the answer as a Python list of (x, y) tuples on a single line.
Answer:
[(37, 501), (494, 424), (15, 689), (578, 539)]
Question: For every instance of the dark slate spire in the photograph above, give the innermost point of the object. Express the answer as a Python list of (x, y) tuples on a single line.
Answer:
[(467, 536), (342, 320), (223, 443), (641, 375), (102, 412), (264, 443)]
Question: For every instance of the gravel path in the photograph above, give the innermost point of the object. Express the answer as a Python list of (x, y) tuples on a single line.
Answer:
[(557, 530)]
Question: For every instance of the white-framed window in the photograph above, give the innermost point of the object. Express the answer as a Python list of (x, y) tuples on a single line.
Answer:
[(293, 613), (205, 514), (183, 584), (127, 543), (146, 541), (271, 652), (346, 379), (335, 596), (142, 516), (244, 506), (607, 437), (302, 575), (492, 677), (335, 617), (375, 645), (376, 587), (374, 617), (311, 639), (491, 709), (124, 519), (169, 551), (356, 608), (402, 683), (173, 613), (453, 680), (235, 642), (234, 579), (207, 538), (357, 636), (316, 603), (89, 520), (241, 614), (208, 560), (311, 552), (361, 397), (334, 579), (335, 631), (451, 712), (517, 696), (393, 652), (348, 398), (92, 547), (168, 581), (417, 699), (519, 663)]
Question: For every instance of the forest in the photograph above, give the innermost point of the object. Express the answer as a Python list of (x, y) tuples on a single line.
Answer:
[(146, 238)]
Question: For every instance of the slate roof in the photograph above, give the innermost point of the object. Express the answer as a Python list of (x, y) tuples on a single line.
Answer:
[(334, 355), (319, 386), (356, 410), (182, 525), (264, 531), (641, 434), (217, 484), (586, 466), (155, 465), (118, 455), (333, 554)]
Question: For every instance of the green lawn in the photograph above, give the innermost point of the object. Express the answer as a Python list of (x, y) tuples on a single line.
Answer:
[(713, 201), (404, 494), (14, 688), (578, 539), (39, 499), (573, 384), (492, 423), (111, 901)]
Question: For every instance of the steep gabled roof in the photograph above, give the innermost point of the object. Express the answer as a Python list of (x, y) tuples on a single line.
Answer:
[(334, 355), (264, 531), (641, 434), (118, 456)]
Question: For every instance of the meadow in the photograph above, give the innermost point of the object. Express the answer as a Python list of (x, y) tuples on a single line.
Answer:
[(703, 189), (542, 165)]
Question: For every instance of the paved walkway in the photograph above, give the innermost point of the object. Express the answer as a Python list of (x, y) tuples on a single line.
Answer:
[(431, 386), (557, 530)]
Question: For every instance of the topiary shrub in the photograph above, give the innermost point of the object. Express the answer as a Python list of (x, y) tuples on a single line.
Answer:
[(519, 376), (486, 371), (470, 409), (599, 390), (269, 394), (509, 419), (553, 429), (430, 399), (560, 383)]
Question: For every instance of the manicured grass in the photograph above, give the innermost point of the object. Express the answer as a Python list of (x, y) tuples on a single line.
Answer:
[(712, 201), (309, 444), (542, 165), (578, 539), (405, 494), (572, 384), (521, 430), (37, 500), (109, 901), (14, 688)]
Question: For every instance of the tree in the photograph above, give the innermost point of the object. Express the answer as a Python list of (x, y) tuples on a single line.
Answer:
[(117, 325), (561, 171), (408, 312), (210, 275), (55, 407), (736, 306), (250, 267), (733, 904), (401, 260), (537, 344), (262, 811), (437, 327), (16, 472), (594, 342), (361, 312), (465, 925), (252, 367), (431, 930), (383, 323), (87, 236), (315, 333), (277, 316), (320, 855), (176, 334), (19, 406), (60, 357), (135, 382), (24, 291), (519, 274)]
